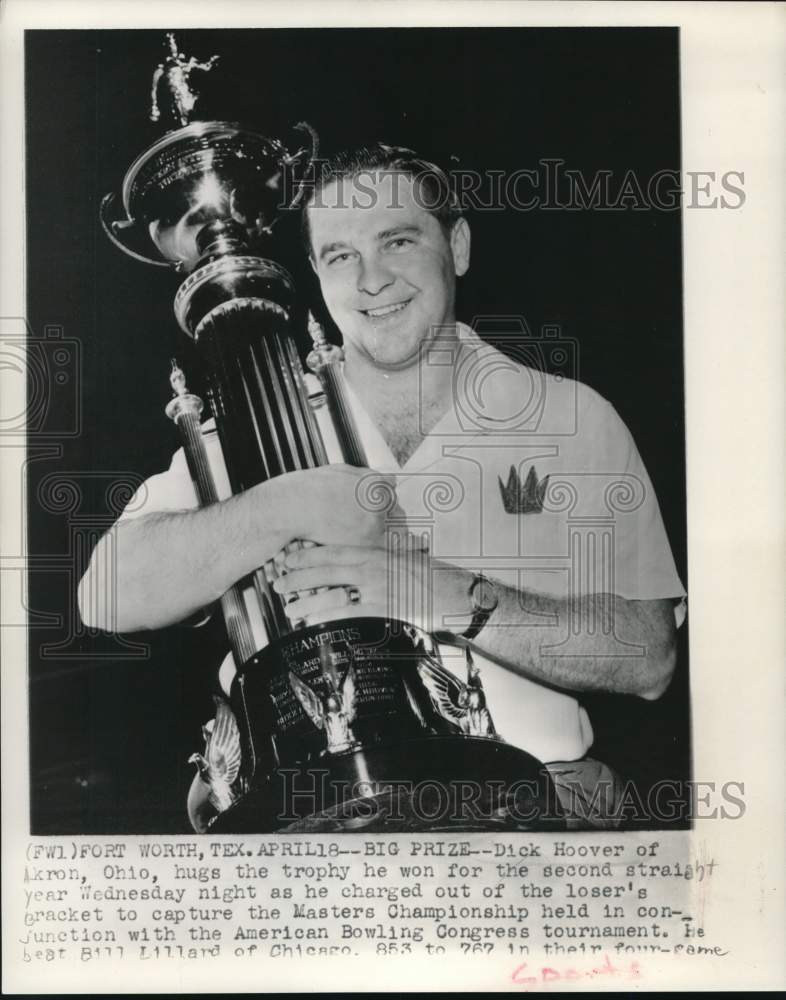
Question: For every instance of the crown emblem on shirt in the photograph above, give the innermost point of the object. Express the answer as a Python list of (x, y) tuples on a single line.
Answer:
[(526, 498)]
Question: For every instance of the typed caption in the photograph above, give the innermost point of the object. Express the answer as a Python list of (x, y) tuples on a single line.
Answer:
[(540, 910)]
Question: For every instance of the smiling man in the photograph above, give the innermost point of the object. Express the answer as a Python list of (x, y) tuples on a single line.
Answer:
[(387, 266), (438, 406), (526, 524)]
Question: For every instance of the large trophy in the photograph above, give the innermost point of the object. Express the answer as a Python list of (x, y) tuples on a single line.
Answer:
[(345, 725)]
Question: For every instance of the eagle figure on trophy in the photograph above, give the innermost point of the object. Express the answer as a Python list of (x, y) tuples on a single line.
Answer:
[(465, 708), (219, 766), (333, 711)]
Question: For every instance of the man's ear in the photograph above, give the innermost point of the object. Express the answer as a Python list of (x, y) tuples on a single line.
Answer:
[(459, 244), (313, 263)]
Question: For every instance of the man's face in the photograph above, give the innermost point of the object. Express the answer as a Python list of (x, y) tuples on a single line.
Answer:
[(386, 267)]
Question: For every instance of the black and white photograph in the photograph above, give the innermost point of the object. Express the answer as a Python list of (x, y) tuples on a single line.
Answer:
[(476, 262), (389, 548)]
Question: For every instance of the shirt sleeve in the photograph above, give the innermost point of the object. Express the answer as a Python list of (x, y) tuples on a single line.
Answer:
[(173, 489), (165, 491), (644, 565)]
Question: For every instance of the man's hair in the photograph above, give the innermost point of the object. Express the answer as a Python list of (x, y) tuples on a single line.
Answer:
[(434, 192)]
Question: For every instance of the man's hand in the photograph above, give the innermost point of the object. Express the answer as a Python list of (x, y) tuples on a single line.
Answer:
[(399, 581), (339, 504)]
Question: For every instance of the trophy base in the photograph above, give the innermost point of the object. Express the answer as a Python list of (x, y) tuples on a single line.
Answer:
[(501, 788)]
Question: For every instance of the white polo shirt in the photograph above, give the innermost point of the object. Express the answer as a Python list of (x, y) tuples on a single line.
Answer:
[(533, 480)]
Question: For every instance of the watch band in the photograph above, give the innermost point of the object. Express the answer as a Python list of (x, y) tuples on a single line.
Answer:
[(482, 606)]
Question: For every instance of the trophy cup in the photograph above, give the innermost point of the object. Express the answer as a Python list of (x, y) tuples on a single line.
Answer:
[(326, 727)]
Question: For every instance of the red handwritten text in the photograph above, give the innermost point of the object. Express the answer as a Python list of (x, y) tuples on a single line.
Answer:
[(524, 975)]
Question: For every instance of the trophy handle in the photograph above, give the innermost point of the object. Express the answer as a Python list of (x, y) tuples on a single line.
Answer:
[(298, 164), (114, 224)]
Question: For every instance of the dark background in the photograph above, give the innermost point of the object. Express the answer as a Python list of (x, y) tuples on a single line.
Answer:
[(113, 720)]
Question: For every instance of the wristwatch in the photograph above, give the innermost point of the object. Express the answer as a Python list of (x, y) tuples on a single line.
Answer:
[(484, 598)]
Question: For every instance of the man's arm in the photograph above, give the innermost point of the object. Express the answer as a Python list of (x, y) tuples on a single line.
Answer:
[(161, 568), (537, 652)]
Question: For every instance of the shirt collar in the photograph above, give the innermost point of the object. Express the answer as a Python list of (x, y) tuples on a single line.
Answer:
[(458, 425)]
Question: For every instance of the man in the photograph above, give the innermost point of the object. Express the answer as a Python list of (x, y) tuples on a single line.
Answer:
[(539, 537)]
